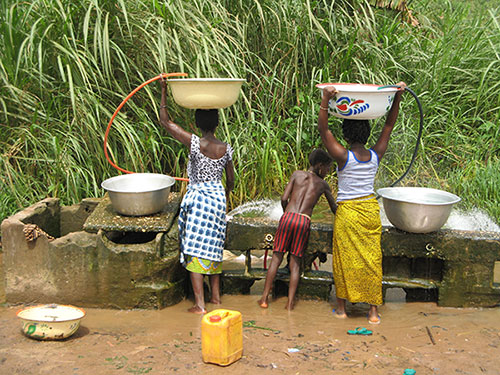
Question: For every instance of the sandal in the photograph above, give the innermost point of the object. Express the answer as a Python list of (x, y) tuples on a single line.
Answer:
[(360, 331)]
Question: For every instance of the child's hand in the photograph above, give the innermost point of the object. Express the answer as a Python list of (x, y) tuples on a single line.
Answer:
[(329, 92)]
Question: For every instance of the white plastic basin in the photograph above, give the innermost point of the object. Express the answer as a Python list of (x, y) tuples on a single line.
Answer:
[(50, 322)]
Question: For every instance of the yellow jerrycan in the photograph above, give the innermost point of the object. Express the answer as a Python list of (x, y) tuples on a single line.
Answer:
[(222, 337)]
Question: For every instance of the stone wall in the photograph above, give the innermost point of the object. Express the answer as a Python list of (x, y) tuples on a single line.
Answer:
[(85, 268), (100, 259)]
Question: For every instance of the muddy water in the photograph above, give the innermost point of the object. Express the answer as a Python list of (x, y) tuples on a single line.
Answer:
[(422, 336)]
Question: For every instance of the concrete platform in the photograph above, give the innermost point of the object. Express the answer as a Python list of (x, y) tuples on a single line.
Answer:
[(462, 265)]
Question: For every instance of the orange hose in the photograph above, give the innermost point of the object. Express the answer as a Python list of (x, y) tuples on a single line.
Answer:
[(164, 75)]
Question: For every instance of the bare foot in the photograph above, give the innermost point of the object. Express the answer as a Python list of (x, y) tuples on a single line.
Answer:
[(373, 316), (197, 310), (374, 319), (263, 303), (289, 306), (215, 301), (340, 314)]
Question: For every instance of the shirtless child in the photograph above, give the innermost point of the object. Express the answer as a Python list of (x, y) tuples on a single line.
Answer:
[(299, 198)]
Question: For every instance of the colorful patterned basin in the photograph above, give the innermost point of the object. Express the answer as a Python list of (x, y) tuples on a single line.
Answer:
[(50, 322), (360, 101)]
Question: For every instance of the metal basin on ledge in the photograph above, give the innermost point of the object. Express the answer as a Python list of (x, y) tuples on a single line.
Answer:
[(417, 209), (138, 194)]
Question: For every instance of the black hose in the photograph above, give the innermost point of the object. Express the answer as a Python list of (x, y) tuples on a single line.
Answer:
[(419, 135)]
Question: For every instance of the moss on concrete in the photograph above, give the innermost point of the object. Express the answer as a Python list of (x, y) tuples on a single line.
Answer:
[(106, 218)]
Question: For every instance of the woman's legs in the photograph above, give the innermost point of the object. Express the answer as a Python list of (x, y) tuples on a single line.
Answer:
[(199, 298), (215, 288), (340, 312), (373, 316)]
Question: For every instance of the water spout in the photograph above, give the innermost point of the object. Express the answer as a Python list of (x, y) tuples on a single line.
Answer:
[(262, 208)]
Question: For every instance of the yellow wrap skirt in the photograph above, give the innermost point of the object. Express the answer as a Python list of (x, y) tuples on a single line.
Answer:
[(357, 255)]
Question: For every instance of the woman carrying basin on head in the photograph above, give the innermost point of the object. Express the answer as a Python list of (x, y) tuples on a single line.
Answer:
[(357, 255), (202, 217)]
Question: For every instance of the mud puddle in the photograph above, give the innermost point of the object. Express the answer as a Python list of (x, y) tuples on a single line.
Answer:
[(308, 340)]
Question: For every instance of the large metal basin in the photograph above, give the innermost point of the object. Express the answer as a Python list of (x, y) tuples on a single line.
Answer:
[(138, 194), (416, 209)]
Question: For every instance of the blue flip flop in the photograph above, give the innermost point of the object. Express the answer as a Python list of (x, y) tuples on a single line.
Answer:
[(359, 331)]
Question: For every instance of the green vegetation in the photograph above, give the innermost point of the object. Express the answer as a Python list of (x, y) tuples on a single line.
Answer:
[(65, 65)]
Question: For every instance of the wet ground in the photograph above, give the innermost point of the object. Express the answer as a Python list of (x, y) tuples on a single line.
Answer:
[(308, 340)]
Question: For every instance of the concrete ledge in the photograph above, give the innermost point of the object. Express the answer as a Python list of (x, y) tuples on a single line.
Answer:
[(460, 264)]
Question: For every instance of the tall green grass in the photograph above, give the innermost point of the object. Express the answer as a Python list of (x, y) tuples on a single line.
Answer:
[(65, 65)]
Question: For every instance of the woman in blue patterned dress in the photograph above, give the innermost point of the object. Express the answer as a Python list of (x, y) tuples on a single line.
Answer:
[(202, 217)]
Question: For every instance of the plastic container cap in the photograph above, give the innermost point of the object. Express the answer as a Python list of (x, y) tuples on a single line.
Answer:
[(215, 318)]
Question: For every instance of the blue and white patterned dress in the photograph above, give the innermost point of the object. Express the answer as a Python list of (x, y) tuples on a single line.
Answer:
[(202, 217)]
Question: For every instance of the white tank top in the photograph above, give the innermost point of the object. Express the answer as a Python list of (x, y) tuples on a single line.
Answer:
[(355, 179)]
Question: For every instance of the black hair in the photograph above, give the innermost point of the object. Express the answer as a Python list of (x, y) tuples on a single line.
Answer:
[(207, 119), (319, 156), (356, 130)]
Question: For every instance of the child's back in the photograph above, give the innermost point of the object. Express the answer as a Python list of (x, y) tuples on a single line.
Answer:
[(305, 188)]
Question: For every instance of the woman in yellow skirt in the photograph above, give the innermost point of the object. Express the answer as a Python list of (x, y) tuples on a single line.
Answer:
[(357, 256)]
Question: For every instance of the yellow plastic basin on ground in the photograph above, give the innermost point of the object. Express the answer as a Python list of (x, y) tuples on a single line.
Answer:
[(222, 337)]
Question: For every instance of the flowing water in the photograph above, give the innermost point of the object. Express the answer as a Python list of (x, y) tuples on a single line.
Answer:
[(262, 208), (473, 220)]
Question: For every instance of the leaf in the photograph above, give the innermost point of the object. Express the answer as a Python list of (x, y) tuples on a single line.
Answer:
[(31, 329)]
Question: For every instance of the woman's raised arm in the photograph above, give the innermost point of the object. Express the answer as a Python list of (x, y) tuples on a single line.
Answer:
[(172, 128)]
